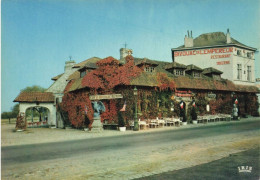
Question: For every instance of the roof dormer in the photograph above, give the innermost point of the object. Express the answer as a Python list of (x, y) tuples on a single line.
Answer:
[(194, 71), (147, 65), (87, 68), (176, 69), (212, 72)]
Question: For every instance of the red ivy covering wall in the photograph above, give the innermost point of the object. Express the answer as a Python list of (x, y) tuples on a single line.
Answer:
[(109, 74), (74, 104), (164, 82)]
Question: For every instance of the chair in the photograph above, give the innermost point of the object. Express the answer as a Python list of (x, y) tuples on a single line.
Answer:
[(177, 121), (200, 119), (153, 123), (131, 124), (142, 124)]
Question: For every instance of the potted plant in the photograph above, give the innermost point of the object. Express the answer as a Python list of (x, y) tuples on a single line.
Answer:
[(194, 116), (184, 119), (121, 122)]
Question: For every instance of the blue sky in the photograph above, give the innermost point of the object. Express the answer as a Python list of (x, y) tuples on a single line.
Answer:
[(38, 36)]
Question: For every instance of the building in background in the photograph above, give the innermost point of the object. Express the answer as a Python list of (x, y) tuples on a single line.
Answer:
[(220, 51)]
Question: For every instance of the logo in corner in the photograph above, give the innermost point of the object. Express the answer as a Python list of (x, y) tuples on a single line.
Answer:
[(243, 169)]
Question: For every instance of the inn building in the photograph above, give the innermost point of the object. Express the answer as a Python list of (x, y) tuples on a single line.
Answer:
[(220, 51)]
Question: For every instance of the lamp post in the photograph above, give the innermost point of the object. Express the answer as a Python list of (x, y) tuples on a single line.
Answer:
[(136, 126)]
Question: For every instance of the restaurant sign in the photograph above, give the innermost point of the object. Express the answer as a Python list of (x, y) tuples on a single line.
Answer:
[(107, 96), (205, 51), (183, 93), (212, 95)]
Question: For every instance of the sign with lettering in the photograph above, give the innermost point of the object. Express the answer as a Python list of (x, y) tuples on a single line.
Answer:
[(203, 51), (183, 93), (107, 96), (212, 95), (220, 56), (223, 62)]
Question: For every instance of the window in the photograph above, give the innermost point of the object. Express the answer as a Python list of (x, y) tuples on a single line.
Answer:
[(82, 73), (239, 71), (216, 76), (239, 53), (249, 55), (179, 72), (249, 73), (196, 74), (149, 69)]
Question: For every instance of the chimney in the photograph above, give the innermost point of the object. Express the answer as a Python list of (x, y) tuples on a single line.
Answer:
[(124, 52), (228, 37), (188, 41), (68, 66)]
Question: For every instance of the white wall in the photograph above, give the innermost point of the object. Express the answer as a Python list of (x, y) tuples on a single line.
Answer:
[(50, 106), (59, 85), (226, 61)]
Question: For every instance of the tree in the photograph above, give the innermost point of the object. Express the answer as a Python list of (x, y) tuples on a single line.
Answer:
[(15, 109), (34, 88), (11, 114)]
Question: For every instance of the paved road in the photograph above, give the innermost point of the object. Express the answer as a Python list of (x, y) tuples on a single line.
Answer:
[(49, 151)]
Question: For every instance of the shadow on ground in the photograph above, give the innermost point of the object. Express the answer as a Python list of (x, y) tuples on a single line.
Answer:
[(225, 168)]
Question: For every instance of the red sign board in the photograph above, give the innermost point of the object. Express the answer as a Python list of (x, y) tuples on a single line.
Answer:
[(203, 51)]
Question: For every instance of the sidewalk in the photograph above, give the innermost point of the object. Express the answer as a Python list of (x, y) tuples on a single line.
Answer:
[(46, 135)]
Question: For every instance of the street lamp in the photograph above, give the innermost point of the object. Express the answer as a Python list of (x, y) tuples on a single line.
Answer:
[(136, 126)]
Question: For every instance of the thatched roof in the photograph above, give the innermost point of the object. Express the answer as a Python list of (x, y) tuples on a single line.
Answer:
[(88, 66), (92, 60), (35, 97), (182, 82), (192, 67), (211, 70), (175, 65), (146, 61), (76, 84), (74, 75), (188, 82), (57, 77), (145, 79)]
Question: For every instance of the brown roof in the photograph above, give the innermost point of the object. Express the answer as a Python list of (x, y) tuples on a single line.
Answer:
[(75, 85), (35, 97), (74, 75), (193, 67), (185, 82), (145, 79), (57, 77), (88, 66), (87, 61), (146, 61), (245, 88), (175, 65)]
